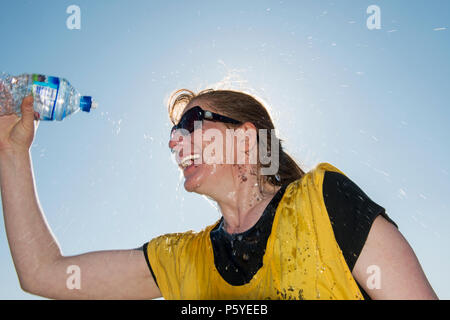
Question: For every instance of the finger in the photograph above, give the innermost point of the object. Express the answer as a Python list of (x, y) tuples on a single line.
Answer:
[(37, 116), (27, 111)]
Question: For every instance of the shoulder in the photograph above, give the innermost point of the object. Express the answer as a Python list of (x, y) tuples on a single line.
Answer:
[(343, 197), (179, 240), (322, 169), (170, 240), (351, 212), (316, 175), (310, 182), (338, 187)]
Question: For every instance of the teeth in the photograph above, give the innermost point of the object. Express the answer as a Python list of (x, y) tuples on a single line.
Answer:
[(187, 160)]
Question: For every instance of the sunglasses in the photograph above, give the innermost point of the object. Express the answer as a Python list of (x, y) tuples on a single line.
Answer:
[(187, 121)]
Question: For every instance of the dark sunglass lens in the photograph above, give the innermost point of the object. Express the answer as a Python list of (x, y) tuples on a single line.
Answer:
[(187, 122)]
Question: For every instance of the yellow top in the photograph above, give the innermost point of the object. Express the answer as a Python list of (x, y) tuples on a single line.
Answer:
[(302, 258)]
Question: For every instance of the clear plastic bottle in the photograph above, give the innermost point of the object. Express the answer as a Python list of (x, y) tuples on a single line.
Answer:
[(54, 98)]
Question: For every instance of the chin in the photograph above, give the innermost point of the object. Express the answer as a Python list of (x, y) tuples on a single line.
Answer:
[(200, 180), (194, 179), (191, 187)]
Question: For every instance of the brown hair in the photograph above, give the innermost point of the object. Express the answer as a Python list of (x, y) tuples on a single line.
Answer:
[(244, 108)]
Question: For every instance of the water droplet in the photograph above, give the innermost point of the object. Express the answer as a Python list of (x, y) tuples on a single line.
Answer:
[(231, 195)]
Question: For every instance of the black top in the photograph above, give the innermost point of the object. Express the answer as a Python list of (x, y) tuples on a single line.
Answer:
[(238, 257), (351, 214)]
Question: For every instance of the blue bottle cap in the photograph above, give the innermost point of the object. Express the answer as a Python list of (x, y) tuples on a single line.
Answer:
[(86, 103)]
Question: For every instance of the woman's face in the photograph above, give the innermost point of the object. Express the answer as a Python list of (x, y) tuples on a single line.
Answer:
[(209, 172)]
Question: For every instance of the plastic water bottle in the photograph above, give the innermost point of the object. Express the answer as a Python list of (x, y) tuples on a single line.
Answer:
[(54, 98)]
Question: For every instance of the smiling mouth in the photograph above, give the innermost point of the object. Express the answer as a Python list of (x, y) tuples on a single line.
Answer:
[(188, 160)]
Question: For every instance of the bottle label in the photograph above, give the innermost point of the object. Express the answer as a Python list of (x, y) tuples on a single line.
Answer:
[(45, 92)]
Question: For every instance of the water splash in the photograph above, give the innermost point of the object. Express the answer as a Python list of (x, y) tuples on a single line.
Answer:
[(401, 194)]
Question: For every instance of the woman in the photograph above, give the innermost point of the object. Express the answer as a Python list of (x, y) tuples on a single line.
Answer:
[(283, 235)]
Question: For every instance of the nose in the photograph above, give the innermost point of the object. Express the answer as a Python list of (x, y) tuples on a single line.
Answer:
[(174, 140), (172, 145)]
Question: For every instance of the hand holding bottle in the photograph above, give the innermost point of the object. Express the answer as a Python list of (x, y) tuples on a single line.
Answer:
[(54, 98), (17, 133)]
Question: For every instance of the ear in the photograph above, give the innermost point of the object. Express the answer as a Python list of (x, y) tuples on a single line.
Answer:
[(251, 138)]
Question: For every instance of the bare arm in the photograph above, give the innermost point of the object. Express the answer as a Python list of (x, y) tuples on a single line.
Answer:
[(116, 274), (387, 255), (40, 266)]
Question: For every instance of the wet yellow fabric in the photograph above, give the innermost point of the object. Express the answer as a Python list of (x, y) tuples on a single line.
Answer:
[(302, 258)]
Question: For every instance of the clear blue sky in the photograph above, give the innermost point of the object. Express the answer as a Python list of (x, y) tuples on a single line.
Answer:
[(374, 103)]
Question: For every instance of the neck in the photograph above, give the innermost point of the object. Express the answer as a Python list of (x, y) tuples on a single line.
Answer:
[(242, 202)]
